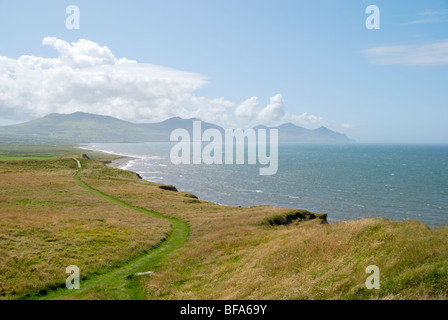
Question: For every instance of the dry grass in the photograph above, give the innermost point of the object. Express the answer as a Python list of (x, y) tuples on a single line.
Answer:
[(231, 255), (48, 222)]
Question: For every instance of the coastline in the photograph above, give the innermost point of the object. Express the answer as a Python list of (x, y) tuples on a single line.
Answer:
[(127, 162), (243, 242), (124, 162), (120, 163)]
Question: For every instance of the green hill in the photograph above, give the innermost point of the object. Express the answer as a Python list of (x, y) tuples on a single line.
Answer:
[(82, 127)]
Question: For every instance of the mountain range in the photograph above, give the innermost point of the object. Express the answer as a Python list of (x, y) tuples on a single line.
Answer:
[(80, 127)]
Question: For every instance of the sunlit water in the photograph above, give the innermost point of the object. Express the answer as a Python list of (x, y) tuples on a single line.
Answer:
[(345, 181)]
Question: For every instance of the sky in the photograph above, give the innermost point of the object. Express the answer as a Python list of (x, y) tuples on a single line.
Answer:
[(237, 63)]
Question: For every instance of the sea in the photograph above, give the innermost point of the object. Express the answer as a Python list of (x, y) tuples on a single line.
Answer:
[(353, 181)]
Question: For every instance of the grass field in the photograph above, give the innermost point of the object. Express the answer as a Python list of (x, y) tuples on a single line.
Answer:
[(48, 222), (108, 220), (231, 254), (37, 151), (7, 158), (48, 151)]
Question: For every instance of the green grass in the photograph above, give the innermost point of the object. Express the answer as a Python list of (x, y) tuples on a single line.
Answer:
[(36, 150), (214, 251), (10, 152), (48, 221), (118, 284), (9, 158)]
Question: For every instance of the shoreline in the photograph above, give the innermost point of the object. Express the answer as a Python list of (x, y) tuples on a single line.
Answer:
[(242, 242), (120, 163), (124, 162)]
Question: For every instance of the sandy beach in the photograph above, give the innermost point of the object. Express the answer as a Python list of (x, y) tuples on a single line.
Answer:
[(119, 163)]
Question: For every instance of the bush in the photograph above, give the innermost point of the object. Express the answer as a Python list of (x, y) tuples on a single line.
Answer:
[(168, 187), (295, 216)]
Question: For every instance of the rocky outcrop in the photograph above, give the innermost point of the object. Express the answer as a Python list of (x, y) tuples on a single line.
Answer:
[(168, 187), (295, 217)]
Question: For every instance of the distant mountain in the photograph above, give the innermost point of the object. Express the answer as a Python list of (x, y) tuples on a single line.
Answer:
[(82, 127), (165, 128), (290, 133), (73, 128)]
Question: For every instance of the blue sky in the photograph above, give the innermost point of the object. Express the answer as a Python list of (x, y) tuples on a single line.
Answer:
[(242, 62)]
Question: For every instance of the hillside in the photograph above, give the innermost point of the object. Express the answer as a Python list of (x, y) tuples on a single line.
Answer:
[(77, 128), (82, 127), (108, 221), (290, 133)]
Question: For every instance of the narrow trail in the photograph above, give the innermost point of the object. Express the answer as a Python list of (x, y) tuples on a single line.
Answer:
[(116, 284), (78, 163)]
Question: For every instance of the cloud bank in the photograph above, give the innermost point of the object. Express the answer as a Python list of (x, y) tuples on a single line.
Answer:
[(274, 113), (88, 77)]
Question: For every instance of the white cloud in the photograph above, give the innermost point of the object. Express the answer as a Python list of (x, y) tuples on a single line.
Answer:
[(82, 54), (307, 120), (422, 21), (433, 13), (211, 110), (274, 112), (428, 17), (246, 111), (410, 55), (88, 77)]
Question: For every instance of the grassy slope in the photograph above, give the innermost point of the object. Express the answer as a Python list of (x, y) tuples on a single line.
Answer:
[(120, 284), (35, 150), (7, 158), (231, 255), (48, 222), (77, 127), (48, 151)]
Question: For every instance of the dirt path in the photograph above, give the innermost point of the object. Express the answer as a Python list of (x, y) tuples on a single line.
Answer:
[(117, 284), (79, 163)]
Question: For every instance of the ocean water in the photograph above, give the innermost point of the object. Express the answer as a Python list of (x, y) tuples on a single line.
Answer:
[(400, 182)]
